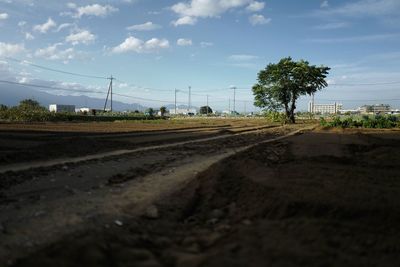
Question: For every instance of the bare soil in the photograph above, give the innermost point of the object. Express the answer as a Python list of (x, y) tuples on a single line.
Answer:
[(130, 126), (322, 198), (33, 142)]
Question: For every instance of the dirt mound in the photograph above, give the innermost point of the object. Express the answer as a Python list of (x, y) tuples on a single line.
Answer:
[(295, 203)]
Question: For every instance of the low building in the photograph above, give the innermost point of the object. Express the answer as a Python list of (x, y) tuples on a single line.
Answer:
[(376, 109), (324, 108), (349, 111), (183, 111), (62, 108)]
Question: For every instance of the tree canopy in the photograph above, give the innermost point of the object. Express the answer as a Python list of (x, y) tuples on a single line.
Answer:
[(163, 110), (280, 85), (30, 104), (149, 112)]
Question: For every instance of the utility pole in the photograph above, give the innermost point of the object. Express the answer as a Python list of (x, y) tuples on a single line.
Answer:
[(110, 91), (111, 86), (190, 99), (234, 100), (245, 103), (175, 101)]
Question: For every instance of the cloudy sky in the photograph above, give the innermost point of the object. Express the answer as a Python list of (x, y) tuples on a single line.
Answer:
[(153, 47)]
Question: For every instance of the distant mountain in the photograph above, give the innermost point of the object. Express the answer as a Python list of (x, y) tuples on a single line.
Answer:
[(11, 95)]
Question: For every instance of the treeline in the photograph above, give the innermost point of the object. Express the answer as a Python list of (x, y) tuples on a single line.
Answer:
[(30, 111), (377, 122)]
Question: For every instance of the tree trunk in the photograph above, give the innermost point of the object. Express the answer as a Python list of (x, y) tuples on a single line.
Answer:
[(287, 112), (292, 118)]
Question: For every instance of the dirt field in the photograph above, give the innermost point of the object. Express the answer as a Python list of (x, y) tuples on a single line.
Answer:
[(131, 126), (30, 142), (318, 198)]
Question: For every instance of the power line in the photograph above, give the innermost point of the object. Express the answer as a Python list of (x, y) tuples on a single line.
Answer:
[(142, 87), (84, 91), (56, 70), (148, 99), (51, 87)]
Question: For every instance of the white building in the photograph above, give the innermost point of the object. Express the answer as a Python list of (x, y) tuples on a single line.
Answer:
[(378, 108), (183, 111), (324, 108), (61, 108)]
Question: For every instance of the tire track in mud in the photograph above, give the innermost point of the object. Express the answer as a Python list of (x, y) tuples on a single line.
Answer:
[(45, 164), (65, 216)]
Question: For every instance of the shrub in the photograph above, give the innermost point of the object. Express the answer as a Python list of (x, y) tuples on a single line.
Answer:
[(379, 122), (274, 116)]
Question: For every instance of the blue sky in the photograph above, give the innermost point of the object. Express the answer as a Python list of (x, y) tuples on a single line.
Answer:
[(153, 47)]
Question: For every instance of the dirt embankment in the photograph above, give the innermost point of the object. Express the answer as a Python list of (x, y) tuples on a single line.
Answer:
[(319, 199)]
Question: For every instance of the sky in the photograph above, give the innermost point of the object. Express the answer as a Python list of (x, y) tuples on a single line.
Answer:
[(154, 47)]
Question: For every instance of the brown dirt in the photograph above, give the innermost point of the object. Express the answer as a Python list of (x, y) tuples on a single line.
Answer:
[(317, 199), (130, 126), (50, 141)]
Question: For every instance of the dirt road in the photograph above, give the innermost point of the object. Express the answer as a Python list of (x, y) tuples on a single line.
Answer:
[(323, 198)]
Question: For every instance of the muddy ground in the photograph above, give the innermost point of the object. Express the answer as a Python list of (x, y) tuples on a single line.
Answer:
[(322, 198), (50, 141)]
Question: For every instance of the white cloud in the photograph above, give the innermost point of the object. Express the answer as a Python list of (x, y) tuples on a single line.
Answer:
[(148, 26), (45, 27), (258, 20), (207, 8), (154, 12), (184, 42), (191, 10), (80, 37), (7, 49), (53, 52), (186, 20), (29, 36), (21, 23), (132, 44), (95, 10), (155, 44), (363, 8), (325, 4), (123, 85), (242, 57), (206, 44), (72, 5), (63, 26), (332, 26), (129, 1), (3, 16), (255, 6)]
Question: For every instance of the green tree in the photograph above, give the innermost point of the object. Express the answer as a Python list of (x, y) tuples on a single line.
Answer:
[(163, 110), (30, 104), (3, 107), (150, 112), (280, 85), (206, 110)]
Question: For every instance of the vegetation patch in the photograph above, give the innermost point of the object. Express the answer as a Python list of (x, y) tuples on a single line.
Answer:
[(30, 111), (372, 122)]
